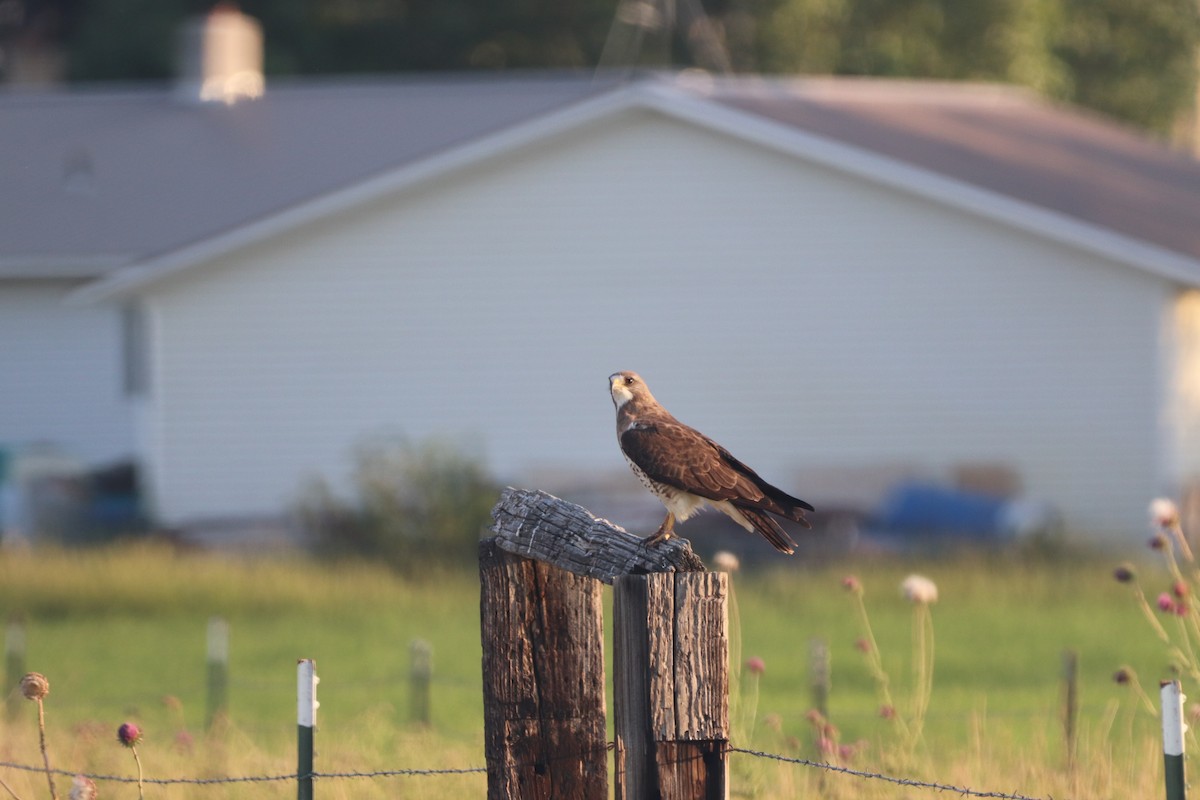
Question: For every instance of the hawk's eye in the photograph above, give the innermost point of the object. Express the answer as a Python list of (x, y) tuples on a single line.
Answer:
[(629, 381)]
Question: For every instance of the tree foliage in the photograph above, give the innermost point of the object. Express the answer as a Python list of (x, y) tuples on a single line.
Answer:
[(1132, 59), (415, 505)]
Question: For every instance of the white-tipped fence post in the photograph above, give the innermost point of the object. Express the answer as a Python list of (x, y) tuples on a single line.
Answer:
[(1173, 728), (218, 670), (306, 718)]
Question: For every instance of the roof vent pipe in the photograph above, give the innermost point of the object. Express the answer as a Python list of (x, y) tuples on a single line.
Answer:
[(221, 57)]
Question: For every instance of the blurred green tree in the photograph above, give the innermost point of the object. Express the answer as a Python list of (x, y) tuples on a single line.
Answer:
[(1132, 59), (1136, 61), (415, 505)]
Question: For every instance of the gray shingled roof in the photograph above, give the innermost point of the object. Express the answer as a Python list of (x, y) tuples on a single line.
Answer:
[(1006, 140), (95, 179)]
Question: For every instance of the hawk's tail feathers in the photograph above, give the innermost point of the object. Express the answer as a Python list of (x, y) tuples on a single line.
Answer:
[(785, 505), (769, 528)]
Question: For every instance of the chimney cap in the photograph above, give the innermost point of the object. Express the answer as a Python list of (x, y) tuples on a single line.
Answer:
[(221, 56)]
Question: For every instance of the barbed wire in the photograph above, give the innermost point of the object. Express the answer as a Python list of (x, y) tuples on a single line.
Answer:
[(392, 773), (158, 781), (858, 773)]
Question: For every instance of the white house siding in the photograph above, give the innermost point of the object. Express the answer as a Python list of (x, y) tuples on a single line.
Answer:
[(1182, 366), (63, 383), (800, 317)]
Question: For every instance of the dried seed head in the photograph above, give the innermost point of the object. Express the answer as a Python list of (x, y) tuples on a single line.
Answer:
[(1164, 513), (35, 686), (82, 788), (919, 589), (726, 561), (1123, 676)]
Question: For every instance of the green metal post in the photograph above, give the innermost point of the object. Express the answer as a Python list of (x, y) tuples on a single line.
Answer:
[(420, 676), (218, 670), (1070, 662), (14, 661), (1173, 727), (306, 719)]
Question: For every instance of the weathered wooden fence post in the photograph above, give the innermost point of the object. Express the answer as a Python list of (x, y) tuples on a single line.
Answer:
[(671, 685), (543, 679), (542, 631)]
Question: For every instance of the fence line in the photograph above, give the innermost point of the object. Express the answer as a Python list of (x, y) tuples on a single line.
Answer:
[(858, 773), (962, 791)]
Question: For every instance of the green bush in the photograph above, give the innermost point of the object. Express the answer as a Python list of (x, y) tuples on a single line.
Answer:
[(415, 504)]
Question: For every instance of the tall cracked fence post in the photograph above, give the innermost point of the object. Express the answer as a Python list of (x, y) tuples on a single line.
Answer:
[(543, 679), (541, 626), (671, 686)]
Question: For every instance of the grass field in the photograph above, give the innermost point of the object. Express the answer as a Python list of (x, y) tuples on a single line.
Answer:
[(120, 633)]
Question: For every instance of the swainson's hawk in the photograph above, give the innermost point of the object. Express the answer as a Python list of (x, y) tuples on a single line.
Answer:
[(685, 469)]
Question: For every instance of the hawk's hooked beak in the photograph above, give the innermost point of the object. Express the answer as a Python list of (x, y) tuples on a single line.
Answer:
[(619, 391)]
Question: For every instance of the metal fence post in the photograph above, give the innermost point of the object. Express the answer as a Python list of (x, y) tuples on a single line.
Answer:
[(14, 661), (420, 676), (1070, 665), (217, 663), (1173, 727), (306, 719)]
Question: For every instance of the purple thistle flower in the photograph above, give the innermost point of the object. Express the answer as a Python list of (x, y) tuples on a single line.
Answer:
[(1124, 573), (129, 734)]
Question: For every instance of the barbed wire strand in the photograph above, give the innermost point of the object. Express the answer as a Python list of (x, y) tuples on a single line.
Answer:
[(858, 773), (391, 773)]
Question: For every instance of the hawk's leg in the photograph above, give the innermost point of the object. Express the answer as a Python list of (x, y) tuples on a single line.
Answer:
[(664, 531)]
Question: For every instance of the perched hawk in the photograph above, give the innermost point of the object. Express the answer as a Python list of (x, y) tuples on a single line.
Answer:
[(685, 469)]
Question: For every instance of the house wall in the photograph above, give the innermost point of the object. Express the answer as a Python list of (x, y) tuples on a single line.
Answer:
[(61, 373), (1182, 421), (802, 318)]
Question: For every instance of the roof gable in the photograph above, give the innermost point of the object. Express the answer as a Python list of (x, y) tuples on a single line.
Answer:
[(1005, 140), (133, 186)]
